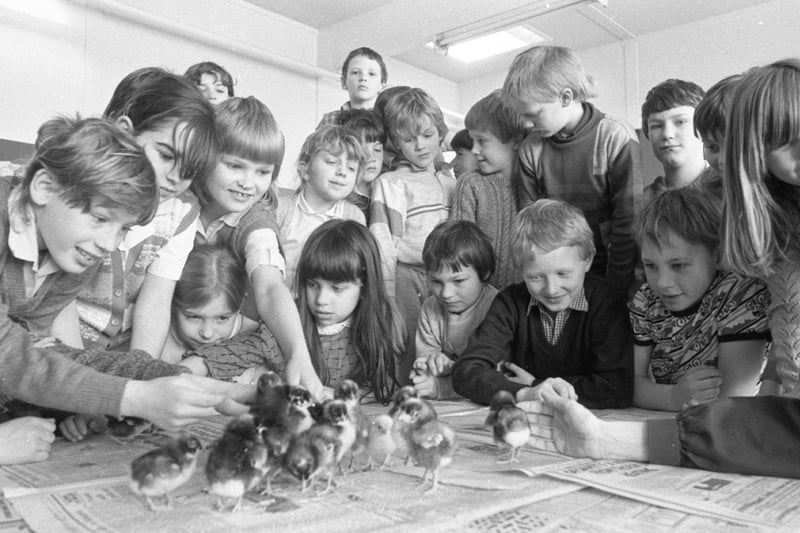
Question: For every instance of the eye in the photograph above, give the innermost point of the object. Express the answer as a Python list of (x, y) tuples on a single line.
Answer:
[(311, 284), (233, 165), (100, 219), (352, 167), (712, 148), (681, 122), (265, 172), (223, 319), (649, 266), (677, 267)]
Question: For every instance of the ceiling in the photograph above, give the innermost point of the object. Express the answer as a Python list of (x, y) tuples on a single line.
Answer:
[(401, 28)]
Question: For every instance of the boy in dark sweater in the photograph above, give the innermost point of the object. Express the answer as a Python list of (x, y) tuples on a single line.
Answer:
[(560, 331)]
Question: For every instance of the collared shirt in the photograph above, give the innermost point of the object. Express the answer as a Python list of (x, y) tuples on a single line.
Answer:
[(552, 324), (23, 242)]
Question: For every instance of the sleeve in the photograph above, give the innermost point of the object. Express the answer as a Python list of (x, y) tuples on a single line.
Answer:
[(784, 308), (172, 256), (743, 316), (387, 223), (637, 310), (475, 373), (465, 199), (261, 248), (529, 187), (429, 330), (755, 436), (228, 359)]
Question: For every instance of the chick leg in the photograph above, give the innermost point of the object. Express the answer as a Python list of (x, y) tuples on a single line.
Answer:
[(238, 506), (386, 461), (435, 484)]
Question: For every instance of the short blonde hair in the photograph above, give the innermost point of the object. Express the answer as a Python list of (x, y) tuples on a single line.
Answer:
[(542, 72), (547, 225), (404, 112)]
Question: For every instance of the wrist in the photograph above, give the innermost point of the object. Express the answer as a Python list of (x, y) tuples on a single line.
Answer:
[(623, 440), (132, 395)]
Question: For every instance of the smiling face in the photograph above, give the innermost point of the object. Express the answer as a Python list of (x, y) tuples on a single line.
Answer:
[(492, 154), (555, 278), (422, 147), (672, 137), (161, 150), (237, 184), (332, 302), (678, 272), (213, 88), (328, 178), (784, 163), (456, 291), (206, 324), (363, 81)]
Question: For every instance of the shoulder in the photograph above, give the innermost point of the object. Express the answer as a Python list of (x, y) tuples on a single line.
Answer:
[(598, 293), (350, 211)]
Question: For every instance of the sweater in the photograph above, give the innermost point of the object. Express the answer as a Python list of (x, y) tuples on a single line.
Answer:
[(490, 202), (597, 168), (783, 316), (594, 352)]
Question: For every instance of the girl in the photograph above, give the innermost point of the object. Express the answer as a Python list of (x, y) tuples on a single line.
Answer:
[(207, 303), (370, 130), (351, 328), (762, 202), (128, 301), (214, 81), (238, 210), (328, 164)]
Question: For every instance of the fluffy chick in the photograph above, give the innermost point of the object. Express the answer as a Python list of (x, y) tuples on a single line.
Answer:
[(161, 471), (380, 442), (337, 415), (509, 424), (430, 442), (400, 428), (313, 453), (237, 461), (347, 391)]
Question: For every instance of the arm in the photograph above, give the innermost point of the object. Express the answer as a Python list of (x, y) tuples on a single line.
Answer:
[(465, 201), (429, 334), (151, 314), (647, 393), (529, 152), (387, 224), (740, 365), (66, 326)]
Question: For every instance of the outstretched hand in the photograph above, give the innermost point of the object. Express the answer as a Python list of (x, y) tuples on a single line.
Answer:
[(26, 440), (563, 425)]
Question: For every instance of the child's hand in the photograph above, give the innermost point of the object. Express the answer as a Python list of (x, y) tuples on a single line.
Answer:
[(549, 387), (300, 370), (698, 385), (25, 440), (425, 383), (439, 364), (75, 428), (515, 373)]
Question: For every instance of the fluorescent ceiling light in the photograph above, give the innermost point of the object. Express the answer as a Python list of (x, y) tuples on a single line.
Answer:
[(494, 44)]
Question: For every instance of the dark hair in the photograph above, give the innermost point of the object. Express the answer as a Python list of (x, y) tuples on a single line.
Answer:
[(667, 95), (156, 97), (342, 251), (685, 213), (196, 71), (491, 114), (94, 163), (210, 270), (457, 244), (366, 52), (365, 123), (709, 115), (461, 140)]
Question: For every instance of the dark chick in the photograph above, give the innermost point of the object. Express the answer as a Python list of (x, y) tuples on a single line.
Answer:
[(400, 428), (312, 454), (337, 414), (430, 442), (348, 392), (509, 424), (161, 471), (237, 461)]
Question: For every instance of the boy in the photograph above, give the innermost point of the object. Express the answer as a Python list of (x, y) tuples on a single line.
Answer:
[(459, 261), (409, 202), (668, 123), (578, 154), (699, 332), (366, 124), (464, 160), (559, 331), (214, 82), (364, 74), (489, 198)]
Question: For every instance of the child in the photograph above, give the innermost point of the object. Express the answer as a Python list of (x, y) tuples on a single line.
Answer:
[(459, 260), (87, 183), (214, 82), (489, 198), (238, 210), (409, 202), (328, 165), (699, 332), (668, 122), (560, 331), (578, 154), (390, 153), (350, 325), (762, 195), (373, 136), (464, 160), (128, 302), (363, 76), (207, 303)]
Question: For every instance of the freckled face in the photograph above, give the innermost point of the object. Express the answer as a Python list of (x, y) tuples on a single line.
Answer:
[(555, 278)]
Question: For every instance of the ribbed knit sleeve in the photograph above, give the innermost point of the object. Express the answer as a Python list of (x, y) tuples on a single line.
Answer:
[(783, 315)]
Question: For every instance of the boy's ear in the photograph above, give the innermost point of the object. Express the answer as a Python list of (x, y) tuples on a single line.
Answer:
[(43, 188), (344, 85), (302, 171), (125, 123), (565, 97)]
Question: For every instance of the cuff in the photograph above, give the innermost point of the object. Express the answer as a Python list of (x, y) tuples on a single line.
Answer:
[(663, 444)]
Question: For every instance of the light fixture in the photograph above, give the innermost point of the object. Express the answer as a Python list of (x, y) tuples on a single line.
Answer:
[(499, 33)]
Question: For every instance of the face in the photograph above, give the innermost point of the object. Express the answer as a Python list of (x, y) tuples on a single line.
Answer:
[(712, 151), (545, 118), (372, 168), (464, 161), (420, 148), (332, 302), (363, 81), (237, 184), (678, 272), (672, 137), (784, 163), (212, 88), (206, 324), (456, 291), (554, 279), (328, 178), (76, 239), (159, 146), (493, 155)]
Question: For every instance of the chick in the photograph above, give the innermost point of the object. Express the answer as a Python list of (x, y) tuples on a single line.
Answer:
[(337, 415), (380, 442), (430, 442), (400, 428), (280, 431), (509, 424), (313, 453), (237, 461), (348, 392), (161, 471)]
